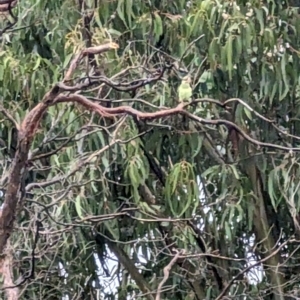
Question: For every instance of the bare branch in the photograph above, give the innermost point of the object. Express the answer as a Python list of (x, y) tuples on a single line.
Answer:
[(167, 270), (131, 268), (6, 5), (92, 50), (229, 124), (31, 122), (251, 266), (9, 117)]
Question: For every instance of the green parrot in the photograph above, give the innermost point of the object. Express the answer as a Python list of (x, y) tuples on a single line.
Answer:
[(185, 90)]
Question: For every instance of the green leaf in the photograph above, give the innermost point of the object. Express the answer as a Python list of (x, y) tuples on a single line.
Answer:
[(228, 231), (37, 63), (158, 26), (260, 18), (248, 113), (121, 11), (229, 53), (284, 93), (67, 60), (78, 206), (271, 184)]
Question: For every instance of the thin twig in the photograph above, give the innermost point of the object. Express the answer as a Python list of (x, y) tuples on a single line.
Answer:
[(9, 117), (225, 290), (167, 270), (92, 50)]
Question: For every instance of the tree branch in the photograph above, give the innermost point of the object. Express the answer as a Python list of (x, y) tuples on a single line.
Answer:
[(131, 268), (222, 294), (167, 270)]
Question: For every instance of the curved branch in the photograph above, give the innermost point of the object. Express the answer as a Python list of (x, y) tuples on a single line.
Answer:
[(247, 137), (110, 112), (9, 117), (167, 270), (241, 273), (92, 50), (31, 122), (26, 133)]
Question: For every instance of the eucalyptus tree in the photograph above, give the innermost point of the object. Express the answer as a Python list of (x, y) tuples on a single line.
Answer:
[(112, 188)]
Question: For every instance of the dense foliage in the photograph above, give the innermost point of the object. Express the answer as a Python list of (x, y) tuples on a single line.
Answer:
[(107, 203)]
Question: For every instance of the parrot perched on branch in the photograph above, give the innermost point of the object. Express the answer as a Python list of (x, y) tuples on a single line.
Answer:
[(185, 90)]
